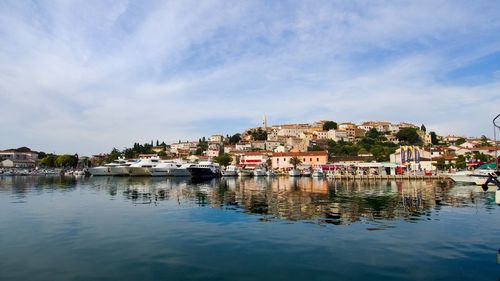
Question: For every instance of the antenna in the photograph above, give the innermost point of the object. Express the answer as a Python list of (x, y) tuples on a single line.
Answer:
[(495, 127)]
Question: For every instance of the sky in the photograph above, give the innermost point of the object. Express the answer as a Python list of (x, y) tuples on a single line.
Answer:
[(87, 76)]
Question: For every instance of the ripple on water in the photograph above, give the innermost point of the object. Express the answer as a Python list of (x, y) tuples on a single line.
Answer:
[(245, 229)]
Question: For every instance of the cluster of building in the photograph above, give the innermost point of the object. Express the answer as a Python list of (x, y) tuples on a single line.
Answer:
[(294, 140)]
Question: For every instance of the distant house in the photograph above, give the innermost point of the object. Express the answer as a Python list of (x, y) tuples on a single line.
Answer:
[(19, 158), (252, 158), (216, 138), (281, 161)]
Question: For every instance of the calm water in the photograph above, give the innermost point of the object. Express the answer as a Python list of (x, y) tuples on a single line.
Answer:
[(245, 229)]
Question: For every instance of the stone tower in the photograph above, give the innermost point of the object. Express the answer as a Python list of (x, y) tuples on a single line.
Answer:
[(264, 122)]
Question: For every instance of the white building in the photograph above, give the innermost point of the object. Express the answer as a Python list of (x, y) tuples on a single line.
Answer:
[(337, 135)]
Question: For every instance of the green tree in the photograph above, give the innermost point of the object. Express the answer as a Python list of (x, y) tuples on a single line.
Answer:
[(259, 134), (41, 155), (235, 138), (329, 125), (49, 161), (223, 160), (409, 136), (460, 141), (484, 141), (461, 163), (482, 157), (315, 148), (66, 161), (113, 155), (295, 161), (434, 139), (440, 164)]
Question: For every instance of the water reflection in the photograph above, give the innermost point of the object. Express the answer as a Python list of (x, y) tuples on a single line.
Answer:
[(282, 198)]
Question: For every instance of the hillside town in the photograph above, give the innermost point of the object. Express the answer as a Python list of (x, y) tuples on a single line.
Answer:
[(399, 148)]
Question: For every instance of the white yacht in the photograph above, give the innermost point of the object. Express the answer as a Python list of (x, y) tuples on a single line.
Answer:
[(259, 172), (170, 169), (470, 177), (104, 170), (144, 166), (122, 167), (318, 173), (463, 177), (231, 171), (294, 173)]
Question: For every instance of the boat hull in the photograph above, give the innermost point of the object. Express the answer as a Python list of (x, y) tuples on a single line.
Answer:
[(201, 172), (140, 171), (229, 174), (169, 172), (100, 171), (119, 171)]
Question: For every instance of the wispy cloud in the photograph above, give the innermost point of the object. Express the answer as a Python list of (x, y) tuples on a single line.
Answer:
[(84, 76)]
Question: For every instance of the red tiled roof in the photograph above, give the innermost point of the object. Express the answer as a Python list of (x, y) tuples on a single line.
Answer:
[(308, 153)]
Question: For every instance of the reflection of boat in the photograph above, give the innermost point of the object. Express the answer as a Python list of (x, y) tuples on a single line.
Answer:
[(205, 169), (318, 173), (230, 171), (294, 173)]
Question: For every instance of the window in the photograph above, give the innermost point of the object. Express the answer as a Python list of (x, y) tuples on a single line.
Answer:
[(317, 159)]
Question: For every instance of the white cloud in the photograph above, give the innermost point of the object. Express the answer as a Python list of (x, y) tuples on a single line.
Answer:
[(87, 76)]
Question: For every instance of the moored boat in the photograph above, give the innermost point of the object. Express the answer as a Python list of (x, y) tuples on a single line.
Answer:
[(259, 172), (294, 173), (230, 171), (205, 169), (318, 173), (144, 166)]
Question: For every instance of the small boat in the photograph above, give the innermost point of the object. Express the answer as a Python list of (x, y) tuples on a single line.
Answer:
[(271, 173), (294, 173), (306, 173), (245, 172), (231, 171), (79, 173), (318, 173), (259, 172)]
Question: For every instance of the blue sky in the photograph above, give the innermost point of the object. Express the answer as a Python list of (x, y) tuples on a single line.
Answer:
[(85, 76)]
